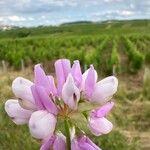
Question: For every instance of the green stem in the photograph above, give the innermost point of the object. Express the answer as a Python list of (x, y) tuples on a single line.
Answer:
[(67, 134)]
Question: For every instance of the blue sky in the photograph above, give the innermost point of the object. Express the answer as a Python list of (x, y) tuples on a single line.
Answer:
[(54, 12)]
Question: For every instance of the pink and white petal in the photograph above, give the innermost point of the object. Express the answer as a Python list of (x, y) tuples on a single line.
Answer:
[(41, 78), (102, 111), (21, 87), (16, 112), (86, 146), (62, 68), (42, 124), (38, 100), (70, 93), (27, 105), (92, 144), (48, 104), (104, 89), (90, 82), (84, 76), (53, 88), (75, 144), (60, 142), (47, 143), (66, 65), (110, 79), (76, 73), (99, 126)]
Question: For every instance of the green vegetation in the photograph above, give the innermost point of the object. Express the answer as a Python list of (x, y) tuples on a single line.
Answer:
[(135, 57), (117, 47), (95, 43)]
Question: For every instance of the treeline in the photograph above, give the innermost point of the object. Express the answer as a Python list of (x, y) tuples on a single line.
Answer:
[(81, 28)]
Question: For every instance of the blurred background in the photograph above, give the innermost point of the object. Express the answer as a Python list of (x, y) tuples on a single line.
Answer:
[(114, 35)]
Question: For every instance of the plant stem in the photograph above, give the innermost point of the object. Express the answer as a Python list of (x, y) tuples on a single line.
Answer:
[(67, 134)]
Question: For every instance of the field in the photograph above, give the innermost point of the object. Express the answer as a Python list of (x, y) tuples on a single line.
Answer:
[(121, 48)]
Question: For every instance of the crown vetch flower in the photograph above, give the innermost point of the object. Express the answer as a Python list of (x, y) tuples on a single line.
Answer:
[(20, 109), (44, 106), (97, 122), (18, 114), (102, 91)]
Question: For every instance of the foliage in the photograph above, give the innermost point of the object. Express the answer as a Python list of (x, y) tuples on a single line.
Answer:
[(135, 57)]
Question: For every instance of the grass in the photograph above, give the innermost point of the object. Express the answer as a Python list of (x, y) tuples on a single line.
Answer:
[(129, 116)]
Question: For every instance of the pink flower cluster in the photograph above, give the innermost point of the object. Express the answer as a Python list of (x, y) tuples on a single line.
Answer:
[(40, 104)]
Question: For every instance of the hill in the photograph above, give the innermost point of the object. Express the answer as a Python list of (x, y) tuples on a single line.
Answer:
[(82, 28)]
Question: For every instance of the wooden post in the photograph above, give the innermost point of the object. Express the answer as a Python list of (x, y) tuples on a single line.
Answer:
[(22, 65), (114, 70), (4, 67)]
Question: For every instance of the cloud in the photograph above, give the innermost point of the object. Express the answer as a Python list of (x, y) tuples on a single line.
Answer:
[(126, 13), (37, 12), (110, 1), (16, 18)]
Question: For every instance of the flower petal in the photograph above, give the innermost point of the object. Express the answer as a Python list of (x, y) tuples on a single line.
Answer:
[(62, 68), (84, 76), (42, 124), (70, 93), (74, 145), (92, 144), (99, 126), (83, 143), (38, 100), (41, 79), (47, 143), (76, 73), (21, 87), (90, 82), (86, 144), (46, 100), (102, 111), (53, 89), (104, 89), (16, 112), (60, 142)]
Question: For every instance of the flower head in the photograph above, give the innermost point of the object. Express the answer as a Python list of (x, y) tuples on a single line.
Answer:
[(45, 106)]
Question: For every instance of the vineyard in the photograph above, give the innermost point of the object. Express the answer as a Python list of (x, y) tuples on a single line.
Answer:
[(105, 52), (121, 48)]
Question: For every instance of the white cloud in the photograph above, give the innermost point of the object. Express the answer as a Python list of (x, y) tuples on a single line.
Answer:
[(30, 18), (110, 1), (126, 13), (16, 18), (43, 17), (114, 12), (1, 19)]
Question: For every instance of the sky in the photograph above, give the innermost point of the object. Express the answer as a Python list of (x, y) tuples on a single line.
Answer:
[(55, 12)]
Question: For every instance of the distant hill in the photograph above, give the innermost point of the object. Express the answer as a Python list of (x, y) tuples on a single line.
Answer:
[(81, 28), (76, 22)]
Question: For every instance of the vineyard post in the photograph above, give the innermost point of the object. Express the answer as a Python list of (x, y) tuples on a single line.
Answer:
[(4, 67), (22, 65), (114, 70)]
